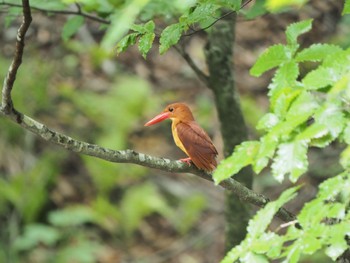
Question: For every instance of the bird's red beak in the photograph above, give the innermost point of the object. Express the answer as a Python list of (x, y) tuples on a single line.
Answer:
[(160, 117)]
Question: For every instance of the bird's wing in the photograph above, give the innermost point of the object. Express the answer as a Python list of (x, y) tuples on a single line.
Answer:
[(198, 145)]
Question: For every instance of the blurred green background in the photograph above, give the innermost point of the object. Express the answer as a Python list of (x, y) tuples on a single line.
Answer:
[(57, 206)]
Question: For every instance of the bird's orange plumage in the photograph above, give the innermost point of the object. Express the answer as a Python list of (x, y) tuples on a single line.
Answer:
[(189, 136)]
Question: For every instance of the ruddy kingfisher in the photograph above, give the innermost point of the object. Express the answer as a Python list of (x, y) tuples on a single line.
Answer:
[(189, 136)]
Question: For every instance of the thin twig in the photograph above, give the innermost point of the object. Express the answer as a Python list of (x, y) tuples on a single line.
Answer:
[(79, 12), (7, 104), (217, 20), (130, 156), (203, 77)]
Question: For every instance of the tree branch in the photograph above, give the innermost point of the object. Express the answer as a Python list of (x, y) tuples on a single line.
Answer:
[(79, 12), (125, 156), (130, 156), (200, 74), (7, 104)]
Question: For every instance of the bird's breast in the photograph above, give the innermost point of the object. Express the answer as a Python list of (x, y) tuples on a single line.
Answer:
[(176, 137)]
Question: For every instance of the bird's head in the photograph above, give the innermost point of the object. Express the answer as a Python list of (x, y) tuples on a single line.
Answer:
[(175, 111)]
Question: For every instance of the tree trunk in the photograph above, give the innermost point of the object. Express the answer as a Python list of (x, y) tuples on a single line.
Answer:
[(219, 54)]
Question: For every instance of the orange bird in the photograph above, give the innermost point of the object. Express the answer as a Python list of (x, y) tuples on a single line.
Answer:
[(189, 136)]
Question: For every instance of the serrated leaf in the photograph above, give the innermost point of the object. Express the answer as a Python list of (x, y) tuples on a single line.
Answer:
[(330, 188), (268, 145), (301, 109), (320, 78), (346, 9), (317, 52), (286, 75), (263, 217), (339, 62), (272, 57), (169, 37), (145, 43), (281, 100), (336, 249), (71, 27), (332, 117), (243, 155), (296, 29), (268, 121), (291, 159), (126, 42), (316, 130), (303, 106), (144, 28), (200, 13)]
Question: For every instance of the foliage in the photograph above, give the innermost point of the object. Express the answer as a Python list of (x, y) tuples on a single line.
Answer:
[(305, 111)]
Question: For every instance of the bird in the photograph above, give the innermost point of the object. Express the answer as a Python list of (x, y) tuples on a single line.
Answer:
[(189, 136)]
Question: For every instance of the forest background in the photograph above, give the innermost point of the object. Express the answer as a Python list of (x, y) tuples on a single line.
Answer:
[(61, 206)]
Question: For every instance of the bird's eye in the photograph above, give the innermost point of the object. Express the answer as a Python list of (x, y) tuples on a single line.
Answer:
[(171, 109)]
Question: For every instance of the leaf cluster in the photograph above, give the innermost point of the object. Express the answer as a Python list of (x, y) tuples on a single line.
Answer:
[(306, 110)]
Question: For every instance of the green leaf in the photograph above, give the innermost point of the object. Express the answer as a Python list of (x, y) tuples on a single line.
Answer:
[(126, 42), (286, 75), (296, 29), (346, 133), (331, 116), (346, 9), (272, 57), (145, 43), (121, 22), (302, 107), (316, 130), (281, 99), (258, 9), (263, 217), (233, 4), (320, 78), (72, 26), (268, 145), (200, 13), (268, 121), (254, 258), (317, 52), (291, 159), (336, 249), (169, 37), (330, 188), (143, 28), (345, 158), (243, 155)]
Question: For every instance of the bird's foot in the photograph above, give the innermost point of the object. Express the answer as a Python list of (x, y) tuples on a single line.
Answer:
[(186, 160)]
